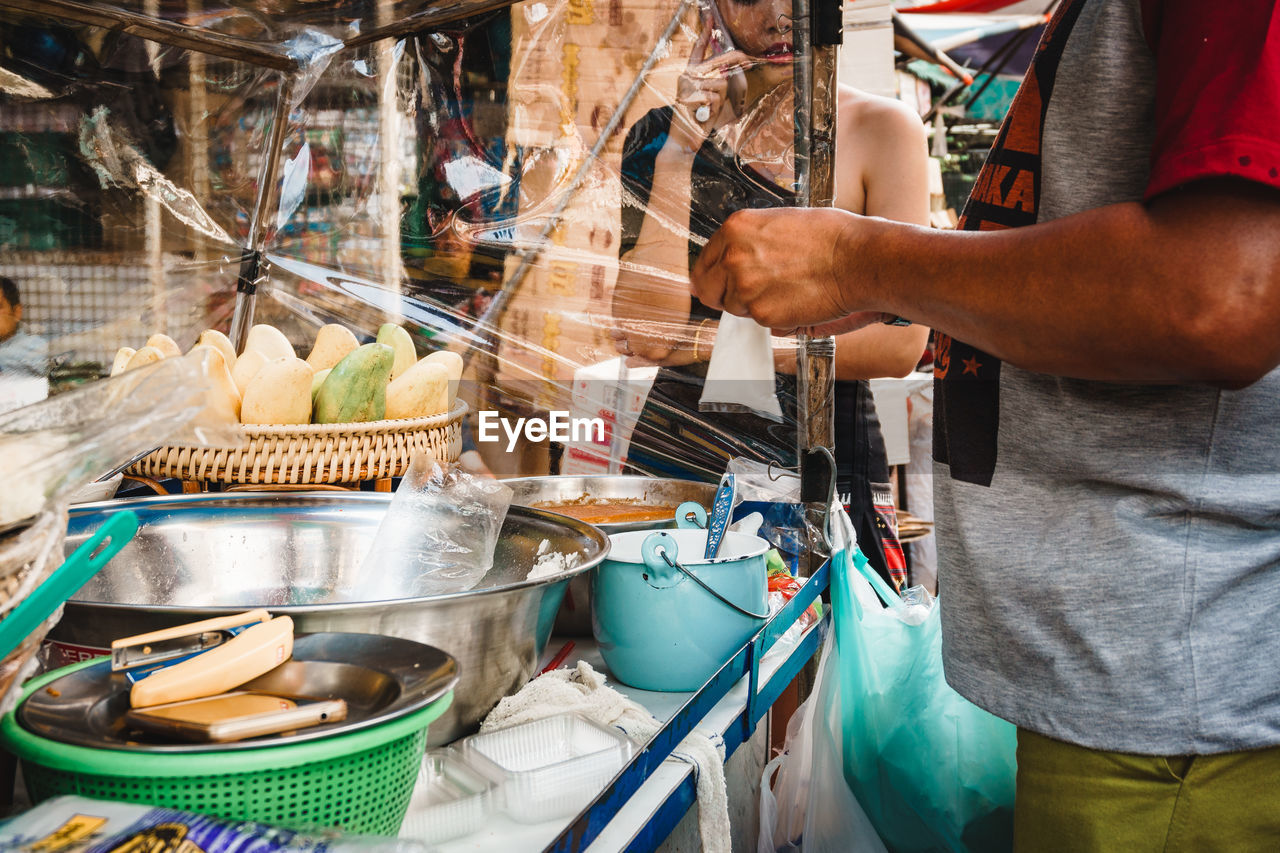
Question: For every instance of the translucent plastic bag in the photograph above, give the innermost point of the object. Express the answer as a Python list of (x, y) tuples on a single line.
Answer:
[(438, 535), (50, 449), (932, 771), (478, 175), (808, 806)]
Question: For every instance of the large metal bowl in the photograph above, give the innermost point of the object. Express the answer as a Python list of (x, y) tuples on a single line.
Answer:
[(300, 554), (651, 491), (574, 619)]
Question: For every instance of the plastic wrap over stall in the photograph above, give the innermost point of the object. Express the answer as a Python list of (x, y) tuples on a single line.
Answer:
[(525, 185)]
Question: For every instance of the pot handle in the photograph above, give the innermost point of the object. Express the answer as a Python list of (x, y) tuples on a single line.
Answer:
[(691, 515), (660, 554), (659, 572)]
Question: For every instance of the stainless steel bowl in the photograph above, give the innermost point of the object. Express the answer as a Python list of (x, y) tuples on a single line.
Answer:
[(300, 554), (575, 614), (652, 491)]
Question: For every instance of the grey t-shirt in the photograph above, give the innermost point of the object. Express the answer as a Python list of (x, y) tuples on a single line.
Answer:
[(1109, 553)]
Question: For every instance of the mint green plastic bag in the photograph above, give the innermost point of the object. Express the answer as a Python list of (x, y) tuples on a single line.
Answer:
[(931, 770)]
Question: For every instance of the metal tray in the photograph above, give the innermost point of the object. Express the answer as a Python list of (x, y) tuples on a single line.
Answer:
[(380, 678), (542, 492)]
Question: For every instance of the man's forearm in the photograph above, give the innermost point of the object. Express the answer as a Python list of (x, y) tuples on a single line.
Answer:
[(1183, 291)]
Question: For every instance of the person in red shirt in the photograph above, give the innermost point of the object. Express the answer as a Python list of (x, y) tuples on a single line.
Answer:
[(1107, 471)]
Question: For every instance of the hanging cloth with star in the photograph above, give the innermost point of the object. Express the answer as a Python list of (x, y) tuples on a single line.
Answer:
[(1005, 195)]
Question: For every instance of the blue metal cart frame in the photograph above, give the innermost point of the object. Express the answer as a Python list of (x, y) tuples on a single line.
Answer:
[(744, 664)]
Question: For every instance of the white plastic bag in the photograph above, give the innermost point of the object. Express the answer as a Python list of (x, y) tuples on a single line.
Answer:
[(808, 807), (740, 376)]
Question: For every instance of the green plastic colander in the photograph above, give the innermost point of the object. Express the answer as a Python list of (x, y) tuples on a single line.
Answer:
[(360, 782)]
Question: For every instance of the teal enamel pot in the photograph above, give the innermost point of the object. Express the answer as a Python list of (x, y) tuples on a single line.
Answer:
[(665, 618)]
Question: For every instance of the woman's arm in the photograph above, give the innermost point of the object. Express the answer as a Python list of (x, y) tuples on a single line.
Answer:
[(881, 170), (651, 298)]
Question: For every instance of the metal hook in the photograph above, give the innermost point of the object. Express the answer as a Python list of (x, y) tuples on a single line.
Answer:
[(784, 29), (783, 470), (828, 497)]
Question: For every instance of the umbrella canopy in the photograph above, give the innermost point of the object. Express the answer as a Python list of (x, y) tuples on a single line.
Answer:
[(950, 32), (972, 6)]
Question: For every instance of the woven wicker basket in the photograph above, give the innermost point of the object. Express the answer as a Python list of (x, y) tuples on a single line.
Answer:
[(313, 454)]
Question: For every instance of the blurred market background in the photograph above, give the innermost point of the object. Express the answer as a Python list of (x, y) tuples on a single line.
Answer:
[(128, 169)]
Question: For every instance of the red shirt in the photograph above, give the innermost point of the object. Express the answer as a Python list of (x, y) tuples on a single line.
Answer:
[(1217, 91)]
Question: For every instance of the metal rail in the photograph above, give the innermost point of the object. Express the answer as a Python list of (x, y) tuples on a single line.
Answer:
[(745, 664), (159, 30)]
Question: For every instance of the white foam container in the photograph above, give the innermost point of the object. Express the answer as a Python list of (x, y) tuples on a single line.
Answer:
[(549, 768), (450, 799)]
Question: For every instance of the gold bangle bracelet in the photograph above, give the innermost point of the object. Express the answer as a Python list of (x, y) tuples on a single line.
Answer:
[(697, 339)]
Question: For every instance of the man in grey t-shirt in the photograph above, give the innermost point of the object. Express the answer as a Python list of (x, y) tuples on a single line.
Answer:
[(1106, 440)]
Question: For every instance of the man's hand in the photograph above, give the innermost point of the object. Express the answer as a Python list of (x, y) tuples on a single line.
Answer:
[(1183, 289), (781, 268)]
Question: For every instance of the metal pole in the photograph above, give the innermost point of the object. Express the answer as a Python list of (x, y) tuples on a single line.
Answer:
[(159, 30), (251, 265), (389, 171), (817, 31), (198, 141), (154, 237)]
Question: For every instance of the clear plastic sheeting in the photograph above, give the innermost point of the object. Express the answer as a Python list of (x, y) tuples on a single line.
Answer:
[(526, 185), (50, 449)]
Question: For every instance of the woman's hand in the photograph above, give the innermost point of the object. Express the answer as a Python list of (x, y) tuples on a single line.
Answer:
[(669, 344), (702, 93), (651, 298), (641, 337)]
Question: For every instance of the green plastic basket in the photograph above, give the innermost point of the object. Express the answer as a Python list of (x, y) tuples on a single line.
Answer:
[(360, 782)]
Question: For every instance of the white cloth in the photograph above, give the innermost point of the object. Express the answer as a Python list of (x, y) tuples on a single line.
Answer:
[(583, 690)]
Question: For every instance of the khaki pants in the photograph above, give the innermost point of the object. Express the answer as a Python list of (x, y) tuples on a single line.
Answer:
[(1074, 799)]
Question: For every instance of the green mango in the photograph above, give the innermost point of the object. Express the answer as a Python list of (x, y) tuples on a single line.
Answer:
[(317, 381), (355, 390)]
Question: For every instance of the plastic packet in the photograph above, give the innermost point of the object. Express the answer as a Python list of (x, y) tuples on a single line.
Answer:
[(757, 482), (438, 535), (774, 493), (917, 604), (50, 449), (783, 586), (71, 824)]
